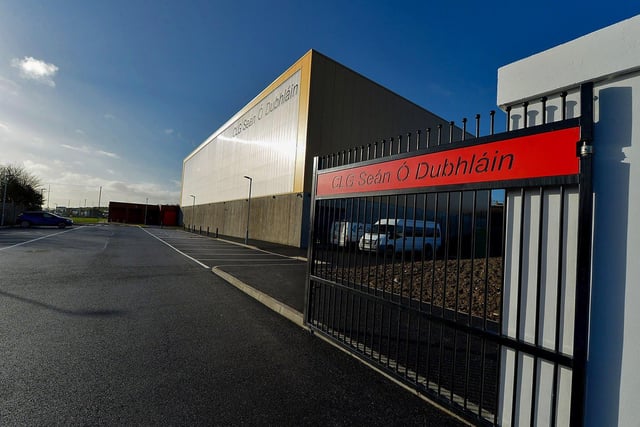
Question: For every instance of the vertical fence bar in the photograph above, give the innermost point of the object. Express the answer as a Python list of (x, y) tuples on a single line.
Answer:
[(472, 255), (534, 382), (402, 259), (486, 265), (433, 264), (464, 129), (377, 261), (457, 287), (412, 259), (424, 249), (393, 251), (484, 311), (404, 246), (357, 221), (492, 116), (308, 300), (514, 400), (333, 273), (583, 283), (444, 291), (375, 276), (384, 275), (503, 250), (346, 250), (558, 319)]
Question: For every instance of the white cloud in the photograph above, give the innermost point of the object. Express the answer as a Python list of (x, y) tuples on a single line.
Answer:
[(70, 151), (70, 187), (35, 69), (34, 167), (81, 149), (88, 150), (108, 154), (168, 131)]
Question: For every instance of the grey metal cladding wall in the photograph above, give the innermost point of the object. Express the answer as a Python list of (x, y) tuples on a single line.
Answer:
[(348, 110)]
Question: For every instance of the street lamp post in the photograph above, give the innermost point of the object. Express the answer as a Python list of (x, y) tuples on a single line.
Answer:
[(145, 211), (193, 211), (4, 197), (246, 236)]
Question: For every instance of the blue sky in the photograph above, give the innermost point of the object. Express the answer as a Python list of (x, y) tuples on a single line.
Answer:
[(115, 94)]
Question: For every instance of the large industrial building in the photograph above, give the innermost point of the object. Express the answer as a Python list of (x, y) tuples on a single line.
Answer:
[(266, 150)]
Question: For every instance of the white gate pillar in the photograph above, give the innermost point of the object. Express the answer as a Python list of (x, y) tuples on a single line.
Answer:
[(611, 59)]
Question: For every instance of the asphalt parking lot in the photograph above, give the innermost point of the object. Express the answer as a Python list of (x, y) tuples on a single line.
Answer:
[(15, 236), (107, 325), (212, 252), (275, 272)]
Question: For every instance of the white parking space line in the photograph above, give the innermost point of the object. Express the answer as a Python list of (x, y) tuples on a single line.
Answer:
[(11, 241), (222, 266), (175, 249), (201, 246), (221, 249), (40, 238), (243, 255), (270, 261), (205, 249), (246, 255)]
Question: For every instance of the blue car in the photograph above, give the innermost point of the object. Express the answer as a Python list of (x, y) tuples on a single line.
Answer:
[(29, 218)]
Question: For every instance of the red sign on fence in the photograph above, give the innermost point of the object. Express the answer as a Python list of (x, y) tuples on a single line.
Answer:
[(541, 155)]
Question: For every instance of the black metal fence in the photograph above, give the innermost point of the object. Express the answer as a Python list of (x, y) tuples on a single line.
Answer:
[(426, 284)]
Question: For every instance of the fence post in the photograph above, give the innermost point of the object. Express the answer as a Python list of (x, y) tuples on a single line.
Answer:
[(585, 224)]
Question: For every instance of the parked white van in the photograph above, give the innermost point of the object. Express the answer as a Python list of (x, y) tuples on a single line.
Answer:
[(345, 233), (394, 236)]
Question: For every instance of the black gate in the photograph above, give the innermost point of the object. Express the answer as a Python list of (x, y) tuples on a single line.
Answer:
[(462, 268)]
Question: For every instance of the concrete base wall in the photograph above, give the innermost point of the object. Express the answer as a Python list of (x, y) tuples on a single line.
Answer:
[(276, 219)]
